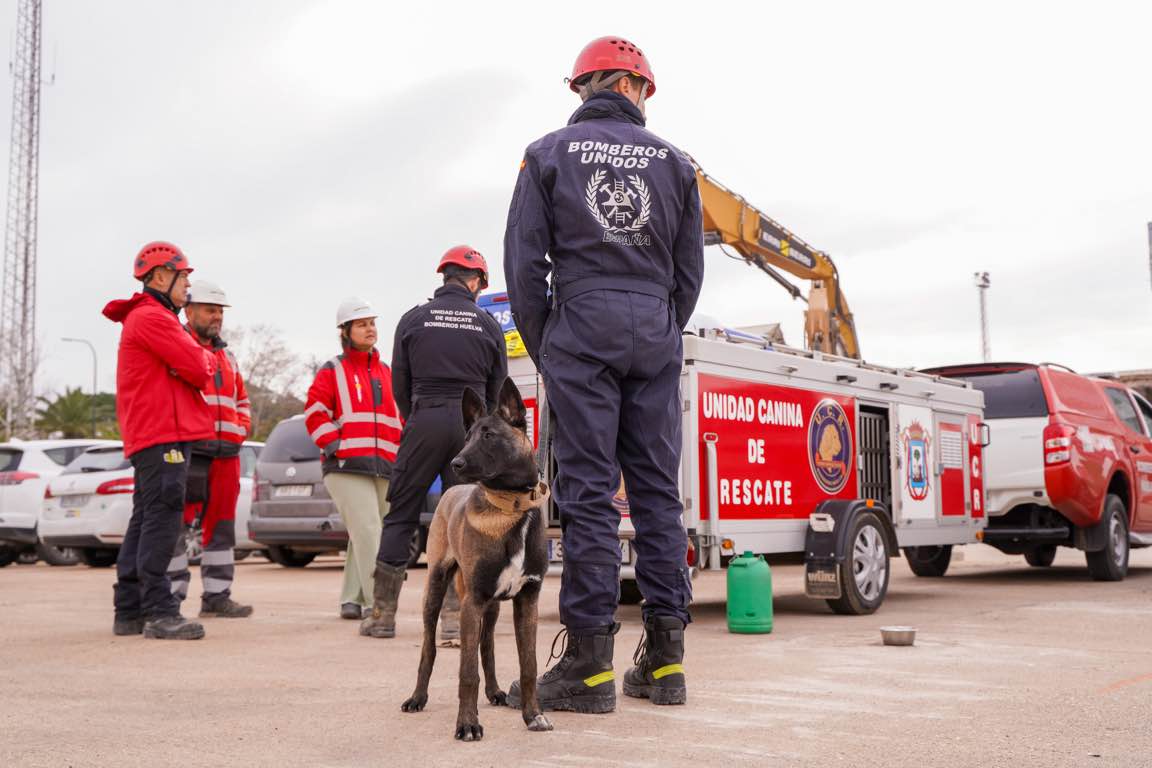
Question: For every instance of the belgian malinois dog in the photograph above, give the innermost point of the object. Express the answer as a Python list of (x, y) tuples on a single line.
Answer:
[(489, 537)]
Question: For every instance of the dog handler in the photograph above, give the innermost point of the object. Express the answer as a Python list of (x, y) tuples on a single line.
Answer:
[(160, 371), (440, 348), (613, 212), (352, 418)]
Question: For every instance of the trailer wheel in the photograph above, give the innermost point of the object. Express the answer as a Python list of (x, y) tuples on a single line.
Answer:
[(929, 562), (1111, 563), (865, 570), (1041, 557)]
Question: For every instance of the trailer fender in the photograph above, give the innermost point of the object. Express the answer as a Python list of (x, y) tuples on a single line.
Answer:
[(826, 542)]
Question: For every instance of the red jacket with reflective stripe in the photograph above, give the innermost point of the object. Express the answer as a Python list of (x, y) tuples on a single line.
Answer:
[(227, 398), (159, 373), (351, 415)]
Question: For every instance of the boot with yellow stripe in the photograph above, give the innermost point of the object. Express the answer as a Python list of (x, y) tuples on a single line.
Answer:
[(582, 680), (659, 672)]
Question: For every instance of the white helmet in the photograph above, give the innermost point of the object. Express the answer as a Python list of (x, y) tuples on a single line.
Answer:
[(353, 308), (205, 292)]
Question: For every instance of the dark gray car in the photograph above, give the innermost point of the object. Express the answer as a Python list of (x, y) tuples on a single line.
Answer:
[(292, 513)]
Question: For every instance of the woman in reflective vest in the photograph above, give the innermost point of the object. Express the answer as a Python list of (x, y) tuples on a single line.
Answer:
[(352, 418)]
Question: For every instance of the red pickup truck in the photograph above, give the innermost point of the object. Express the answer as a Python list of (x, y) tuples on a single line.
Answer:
[(1070, 464)]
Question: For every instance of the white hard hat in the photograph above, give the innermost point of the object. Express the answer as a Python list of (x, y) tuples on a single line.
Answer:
[(353, 308), (205, 292)]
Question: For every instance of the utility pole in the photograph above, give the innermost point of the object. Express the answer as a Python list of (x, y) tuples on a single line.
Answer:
[(18, 296), (983, 283)]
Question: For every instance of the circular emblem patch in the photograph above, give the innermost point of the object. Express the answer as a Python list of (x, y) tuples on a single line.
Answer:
[(830, 446)]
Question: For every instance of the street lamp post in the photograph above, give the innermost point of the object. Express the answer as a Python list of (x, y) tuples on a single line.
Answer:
[(91, 347), (983, 283)]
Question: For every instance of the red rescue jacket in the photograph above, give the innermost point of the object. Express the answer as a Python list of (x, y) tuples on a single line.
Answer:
[(159, 373), (227, 398), (351, 415)]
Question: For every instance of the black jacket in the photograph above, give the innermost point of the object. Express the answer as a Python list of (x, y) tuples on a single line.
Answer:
[(445, 345)]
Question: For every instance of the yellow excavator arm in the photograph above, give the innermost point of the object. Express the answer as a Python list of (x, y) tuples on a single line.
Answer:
[(729, 220)]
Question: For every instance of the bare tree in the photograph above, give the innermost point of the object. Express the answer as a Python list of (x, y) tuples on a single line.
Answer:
[(272, 372)]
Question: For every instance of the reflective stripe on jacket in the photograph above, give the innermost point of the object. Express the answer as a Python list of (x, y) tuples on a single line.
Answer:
[(352, 416), (227, 398)]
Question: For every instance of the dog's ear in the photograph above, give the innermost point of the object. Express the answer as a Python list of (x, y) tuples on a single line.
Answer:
[(472, 407), (511, 406)]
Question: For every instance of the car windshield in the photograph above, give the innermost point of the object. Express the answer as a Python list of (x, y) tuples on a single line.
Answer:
[(289, 442), (10, 459), (248, 456), (64, 456), (1014, 395), (98, 460)]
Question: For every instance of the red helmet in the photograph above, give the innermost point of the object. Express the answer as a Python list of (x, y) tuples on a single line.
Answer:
[(611, 53), (159, 254), (468, 257)]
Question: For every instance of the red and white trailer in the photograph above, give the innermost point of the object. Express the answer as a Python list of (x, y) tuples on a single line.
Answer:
[(806, 457)]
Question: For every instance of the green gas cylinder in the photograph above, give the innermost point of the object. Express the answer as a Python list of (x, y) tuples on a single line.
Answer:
[(749, 595)]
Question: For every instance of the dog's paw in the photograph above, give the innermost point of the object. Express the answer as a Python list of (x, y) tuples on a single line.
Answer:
[(414, 704), (498, 699), (469, 732), (538, 723)]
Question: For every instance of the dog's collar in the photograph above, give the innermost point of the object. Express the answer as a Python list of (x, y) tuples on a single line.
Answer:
[(517, 501)]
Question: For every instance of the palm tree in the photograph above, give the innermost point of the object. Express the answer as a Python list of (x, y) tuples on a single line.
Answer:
[(69, 415)]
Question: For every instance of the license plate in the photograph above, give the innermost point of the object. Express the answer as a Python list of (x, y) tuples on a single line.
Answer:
[(556, 551), (292, 490), (75, 501)]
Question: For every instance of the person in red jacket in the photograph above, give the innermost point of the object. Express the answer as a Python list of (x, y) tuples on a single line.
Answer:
[(160, 371), (214, 474), (353, 420)]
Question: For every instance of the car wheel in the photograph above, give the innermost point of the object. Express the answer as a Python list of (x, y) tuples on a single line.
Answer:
[(289, 558), (929, 562), (865, 570), (1111, 563), (8, 554), (630, 592), (240, 554), (28, 557), (1041, 557), (98, 558), (194, 543), (58, 555)]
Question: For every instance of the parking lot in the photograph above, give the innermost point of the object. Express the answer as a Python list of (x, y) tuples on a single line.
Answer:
[(1012, 666)]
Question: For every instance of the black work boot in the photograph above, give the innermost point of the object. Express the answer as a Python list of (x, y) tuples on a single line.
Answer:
[(173, 628), (124, 626), (222, 607), (659, 672), (582, 680), (385, 595)]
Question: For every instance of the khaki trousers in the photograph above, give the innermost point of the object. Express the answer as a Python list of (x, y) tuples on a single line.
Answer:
[(363, 503)]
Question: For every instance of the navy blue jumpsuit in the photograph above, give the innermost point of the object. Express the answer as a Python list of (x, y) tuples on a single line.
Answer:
[(612, 212)]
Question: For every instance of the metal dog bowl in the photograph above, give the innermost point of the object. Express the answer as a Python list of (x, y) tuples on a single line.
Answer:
[(898, 635)]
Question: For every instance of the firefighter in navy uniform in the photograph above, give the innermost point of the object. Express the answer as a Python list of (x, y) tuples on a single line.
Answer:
[(613, 213), (440, 348)]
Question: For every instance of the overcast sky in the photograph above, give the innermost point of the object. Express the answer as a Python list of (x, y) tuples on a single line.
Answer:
[(304, 151)]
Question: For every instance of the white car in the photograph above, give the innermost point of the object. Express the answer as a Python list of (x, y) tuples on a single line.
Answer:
[(25, 469), (89, 504)]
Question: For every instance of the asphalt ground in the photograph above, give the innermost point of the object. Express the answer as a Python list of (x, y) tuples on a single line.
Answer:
[(1012, 666)]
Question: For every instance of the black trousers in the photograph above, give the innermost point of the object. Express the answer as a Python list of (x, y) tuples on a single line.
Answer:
[(432, 437), (142, 586)]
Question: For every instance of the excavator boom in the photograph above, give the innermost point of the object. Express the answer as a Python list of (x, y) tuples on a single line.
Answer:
[(764, 243)]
